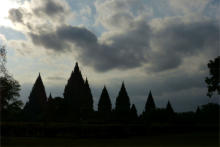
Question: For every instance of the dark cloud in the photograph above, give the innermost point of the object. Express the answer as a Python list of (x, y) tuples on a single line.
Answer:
[(51, 8), (16, 15), (49, 41), (162, 61), (160, 84), (80, 36), (126, 50), (179, 40), (133, 46), (42, 15), (188, 38), (131, 49), (60, 39)]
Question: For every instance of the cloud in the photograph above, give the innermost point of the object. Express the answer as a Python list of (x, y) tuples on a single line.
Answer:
[(102, 56), (188, 6), (16, 15), (40, 15), (119, 15), (147, 46), (130, 41), (178, 40), (63, 36), (56, 78), (53, 9)]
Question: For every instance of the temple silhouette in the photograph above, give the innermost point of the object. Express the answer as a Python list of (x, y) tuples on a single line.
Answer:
[(77, 103), (73, 115), (76, 107)]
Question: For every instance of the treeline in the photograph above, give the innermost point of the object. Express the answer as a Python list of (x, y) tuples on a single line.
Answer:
[(77, 106)]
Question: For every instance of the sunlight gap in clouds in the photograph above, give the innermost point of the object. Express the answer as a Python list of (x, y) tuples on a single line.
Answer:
[(5, 6)]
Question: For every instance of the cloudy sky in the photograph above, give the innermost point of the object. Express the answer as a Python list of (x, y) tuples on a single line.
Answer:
[(158, 45)]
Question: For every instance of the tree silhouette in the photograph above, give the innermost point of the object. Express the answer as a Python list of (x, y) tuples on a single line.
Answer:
[(122, 107), (3, 60), (213, 82), (35, 108), (104, 105), (210, 113), (133, 113), (10, 106), (73, 94)]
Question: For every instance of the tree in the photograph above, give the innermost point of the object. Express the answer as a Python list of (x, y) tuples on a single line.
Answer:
[(122, 107), (10, 106), (210, 113), (104, 104), (35, 108), (213, 82), (3, 70)]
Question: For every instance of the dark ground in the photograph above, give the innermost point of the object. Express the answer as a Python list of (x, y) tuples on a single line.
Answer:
[(205, 139)]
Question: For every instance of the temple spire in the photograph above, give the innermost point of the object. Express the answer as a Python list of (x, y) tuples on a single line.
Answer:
[(122, 106), (169, 108), (150, 104), (104, 104), (74, 94), (76, 68), (86, 82), (37, 100), (50, 97)]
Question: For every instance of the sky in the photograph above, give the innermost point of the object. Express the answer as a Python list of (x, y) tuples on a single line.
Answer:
[(163, 46)]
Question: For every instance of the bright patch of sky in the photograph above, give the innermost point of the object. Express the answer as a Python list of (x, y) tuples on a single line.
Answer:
[(11, 34)]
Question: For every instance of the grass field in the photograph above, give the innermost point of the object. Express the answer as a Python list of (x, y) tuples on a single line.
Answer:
[(177, 140)]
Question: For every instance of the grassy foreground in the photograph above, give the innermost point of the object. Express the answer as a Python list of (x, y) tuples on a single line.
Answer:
[(177, 140)]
